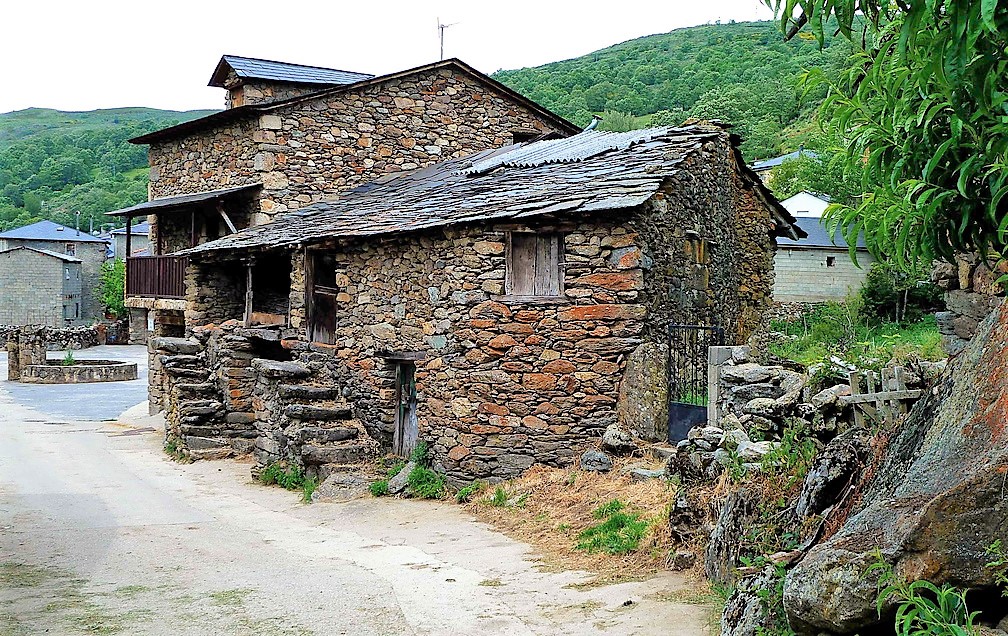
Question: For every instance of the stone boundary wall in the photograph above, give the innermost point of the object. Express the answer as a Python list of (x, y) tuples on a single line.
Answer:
[(971, 294), (62, 338), (81, 372)]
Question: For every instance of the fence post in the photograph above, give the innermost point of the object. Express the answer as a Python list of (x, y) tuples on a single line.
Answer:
[(716, 357)]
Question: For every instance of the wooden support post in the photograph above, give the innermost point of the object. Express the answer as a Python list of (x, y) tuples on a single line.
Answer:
[(129, 238), (224, 215), (855, 386), (716, 357), (248, 292)]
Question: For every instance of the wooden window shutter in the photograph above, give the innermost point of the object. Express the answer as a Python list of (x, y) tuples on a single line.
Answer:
[(535, 266)]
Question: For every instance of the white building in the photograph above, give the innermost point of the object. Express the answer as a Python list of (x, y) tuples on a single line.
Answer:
[(817, 268)]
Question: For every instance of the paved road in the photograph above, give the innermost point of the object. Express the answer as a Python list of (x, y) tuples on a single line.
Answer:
[(101, 533)]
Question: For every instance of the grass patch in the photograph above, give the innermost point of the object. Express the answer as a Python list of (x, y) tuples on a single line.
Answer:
[(379, 488), (842, 330), (466, 494), (230, 598), (308, 488), (289, 477), (172, 449), (620, 533), (425, 483)]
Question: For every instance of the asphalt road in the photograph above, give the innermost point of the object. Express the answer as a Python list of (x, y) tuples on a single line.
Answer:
[(100, 532)]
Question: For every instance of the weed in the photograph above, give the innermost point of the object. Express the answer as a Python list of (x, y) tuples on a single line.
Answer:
[(283, 475), (395, 469), (425, 483), (998, 565), (68, 359), (922, 608), (419, 454), (379, 488), (466, 494), (491, 583), (308, 488), (171, 448), (620, 533), (500, 497)]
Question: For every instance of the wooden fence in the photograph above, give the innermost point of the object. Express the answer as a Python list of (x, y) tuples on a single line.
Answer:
[(881, 397)]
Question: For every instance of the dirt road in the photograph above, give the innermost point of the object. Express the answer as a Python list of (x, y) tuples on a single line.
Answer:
[(101, 533)]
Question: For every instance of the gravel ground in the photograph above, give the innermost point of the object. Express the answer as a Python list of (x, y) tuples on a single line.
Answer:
[(101, 533)]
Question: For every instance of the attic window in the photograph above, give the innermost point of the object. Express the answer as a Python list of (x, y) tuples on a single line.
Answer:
[(534, 265), (831, 261), (71, 249), (522, 136)]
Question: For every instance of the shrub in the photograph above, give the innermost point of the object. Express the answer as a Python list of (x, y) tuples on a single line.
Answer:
[(280, 474), (113, 284), (425, 483), (379, 488), (890, 294)]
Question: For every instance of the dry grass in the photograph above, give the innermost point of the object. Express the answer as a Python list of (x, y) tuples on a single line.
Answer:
[(549, 507)]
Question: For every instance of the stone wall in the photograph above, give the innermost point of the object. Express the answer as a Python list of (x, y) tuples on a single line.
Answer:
[(971, 294), (32, 285), (805, 275), (60, 338), (318, 148)]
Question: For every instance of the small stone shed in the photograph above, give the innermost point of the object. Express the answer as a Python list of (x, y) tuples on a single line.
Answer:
[(489, 304)]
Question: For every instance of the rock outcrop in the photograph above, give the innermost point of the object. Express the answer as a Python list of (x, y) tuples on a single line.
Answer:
[(937, 501)]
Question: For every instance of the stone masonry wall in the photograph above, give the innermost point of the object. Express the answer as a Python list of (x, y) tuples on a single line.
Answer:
[(315, 149), (971, 294), (32, 285)]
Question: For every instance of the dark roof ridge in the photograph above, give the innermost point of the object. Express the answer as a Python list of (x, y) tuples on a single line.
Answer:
[(63, 257), (263, 59), (234, 114)]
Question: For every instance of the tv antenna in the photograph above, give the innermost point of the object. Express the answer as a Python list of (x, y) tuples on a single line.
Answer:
[(441, 28)]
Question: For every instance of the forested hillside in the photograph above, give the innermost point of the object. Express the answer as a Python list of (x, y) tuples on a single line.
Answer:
[(742, 73), (54, 164)]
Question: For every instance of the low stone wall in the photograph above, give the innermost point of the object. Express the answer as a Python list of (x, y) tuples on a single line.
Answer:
[(60, 338), (80, 372), (971, 294)]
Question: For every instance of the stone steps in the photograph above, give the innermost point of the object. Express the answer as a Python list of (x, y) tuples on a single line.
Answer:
[(335, 454), (314, 413), (307, 393)]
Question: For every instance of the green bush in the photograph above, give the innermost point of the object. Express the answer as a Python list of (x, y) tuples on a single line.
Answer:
[(620, 533), (280, 474), (113, 284), (425, 483), (379, 488), (922, 608), (892, 295)]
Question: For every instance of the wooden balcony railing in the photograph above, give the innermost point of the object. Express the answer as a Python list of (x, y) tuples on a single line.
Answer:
[(156, 276)]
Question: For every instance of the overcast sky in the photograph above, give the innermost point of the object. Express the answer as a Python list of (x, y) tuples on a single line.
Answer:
[(74, 55)]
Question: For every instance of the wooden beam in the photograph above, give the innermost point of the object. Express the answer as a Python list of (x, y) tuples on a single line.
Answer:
[(248, 292), (224, 215), (129, 238), (909, 394)]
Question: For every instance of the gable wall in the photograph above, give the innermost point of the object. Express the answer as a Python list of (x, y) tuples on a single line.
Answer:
[(92, 256), (313, 150), (33, 287)]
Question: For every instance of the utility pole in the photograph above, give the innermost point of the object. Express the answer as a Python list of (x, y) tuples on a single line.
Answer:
[(441, 28)]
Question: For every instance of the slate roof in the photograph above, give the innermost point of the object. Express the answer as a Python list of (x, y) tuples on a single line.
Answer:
[(49, 231), (254, 68), (254, 110), (450, 192), (63, 257), (140, 228), (773, 162), (818, 236), (166, 204)]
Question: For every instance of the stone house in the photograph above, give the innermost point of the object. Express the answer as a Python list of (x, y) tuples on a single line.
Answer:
[(39, 287), (293, 135), (490, 304), (89, 251)]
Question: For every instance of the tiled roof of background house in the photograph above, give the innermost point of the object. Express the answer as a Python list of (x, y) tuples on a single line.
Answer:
[(818, 236), (140, 228), (773, 162), (450, 193), (49, 231), (63, 257), (254, 68)]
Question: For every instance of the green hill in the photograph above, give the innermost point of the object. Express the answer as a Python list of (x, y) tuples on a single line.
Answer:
[(742, 73), (54, 164)]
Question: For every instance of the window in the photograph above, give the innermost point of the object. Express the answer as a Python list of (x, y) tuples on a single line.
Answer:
[(831, 261), (534, 265), (71, 249)]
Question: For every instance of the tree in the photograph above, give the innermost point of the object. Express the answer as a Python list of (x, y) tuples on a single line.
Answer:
[(113, 286), (923, 110)]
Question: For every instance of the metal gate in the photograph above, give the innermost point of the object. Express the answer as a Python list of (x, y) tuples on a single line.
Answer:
[(688, 376)]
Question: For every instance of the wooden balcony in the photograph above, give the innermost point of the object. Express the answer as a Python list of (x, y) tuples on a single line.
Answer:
[(156, 276)]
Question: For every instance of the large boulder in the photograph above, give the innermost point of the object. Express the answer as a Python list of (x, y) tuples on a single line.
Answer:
[(834, 470), (936, 503), (643, 394)]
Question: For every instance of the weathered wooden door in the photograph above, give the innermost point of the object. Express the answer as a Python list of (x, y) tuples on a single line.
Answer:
[(406, 429)]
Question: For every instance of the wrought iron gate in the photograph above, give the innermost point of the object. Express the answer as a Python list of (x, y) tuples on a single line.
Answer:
[(688, 376)]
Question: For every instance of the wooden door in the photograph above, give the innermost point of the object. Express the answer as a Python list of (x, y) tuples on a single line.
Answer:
[(406, 428)]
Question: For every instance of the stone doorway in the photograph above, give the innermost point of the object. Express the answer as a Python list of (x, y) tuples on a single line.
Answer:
[(406, 427)]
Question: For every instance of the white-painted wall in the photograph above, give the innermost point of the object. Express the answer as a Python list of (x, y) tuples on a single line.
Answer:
[(807, 275)]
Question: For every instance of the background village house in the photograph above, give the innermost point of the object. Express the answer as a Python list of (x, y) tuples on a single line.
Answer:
[(818, 267), (54, 280)]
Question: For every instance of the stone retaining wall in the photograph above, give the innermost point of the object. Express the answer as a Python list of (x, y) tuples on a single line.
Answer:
[(62, 338), (971, 294), (80, 372)]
